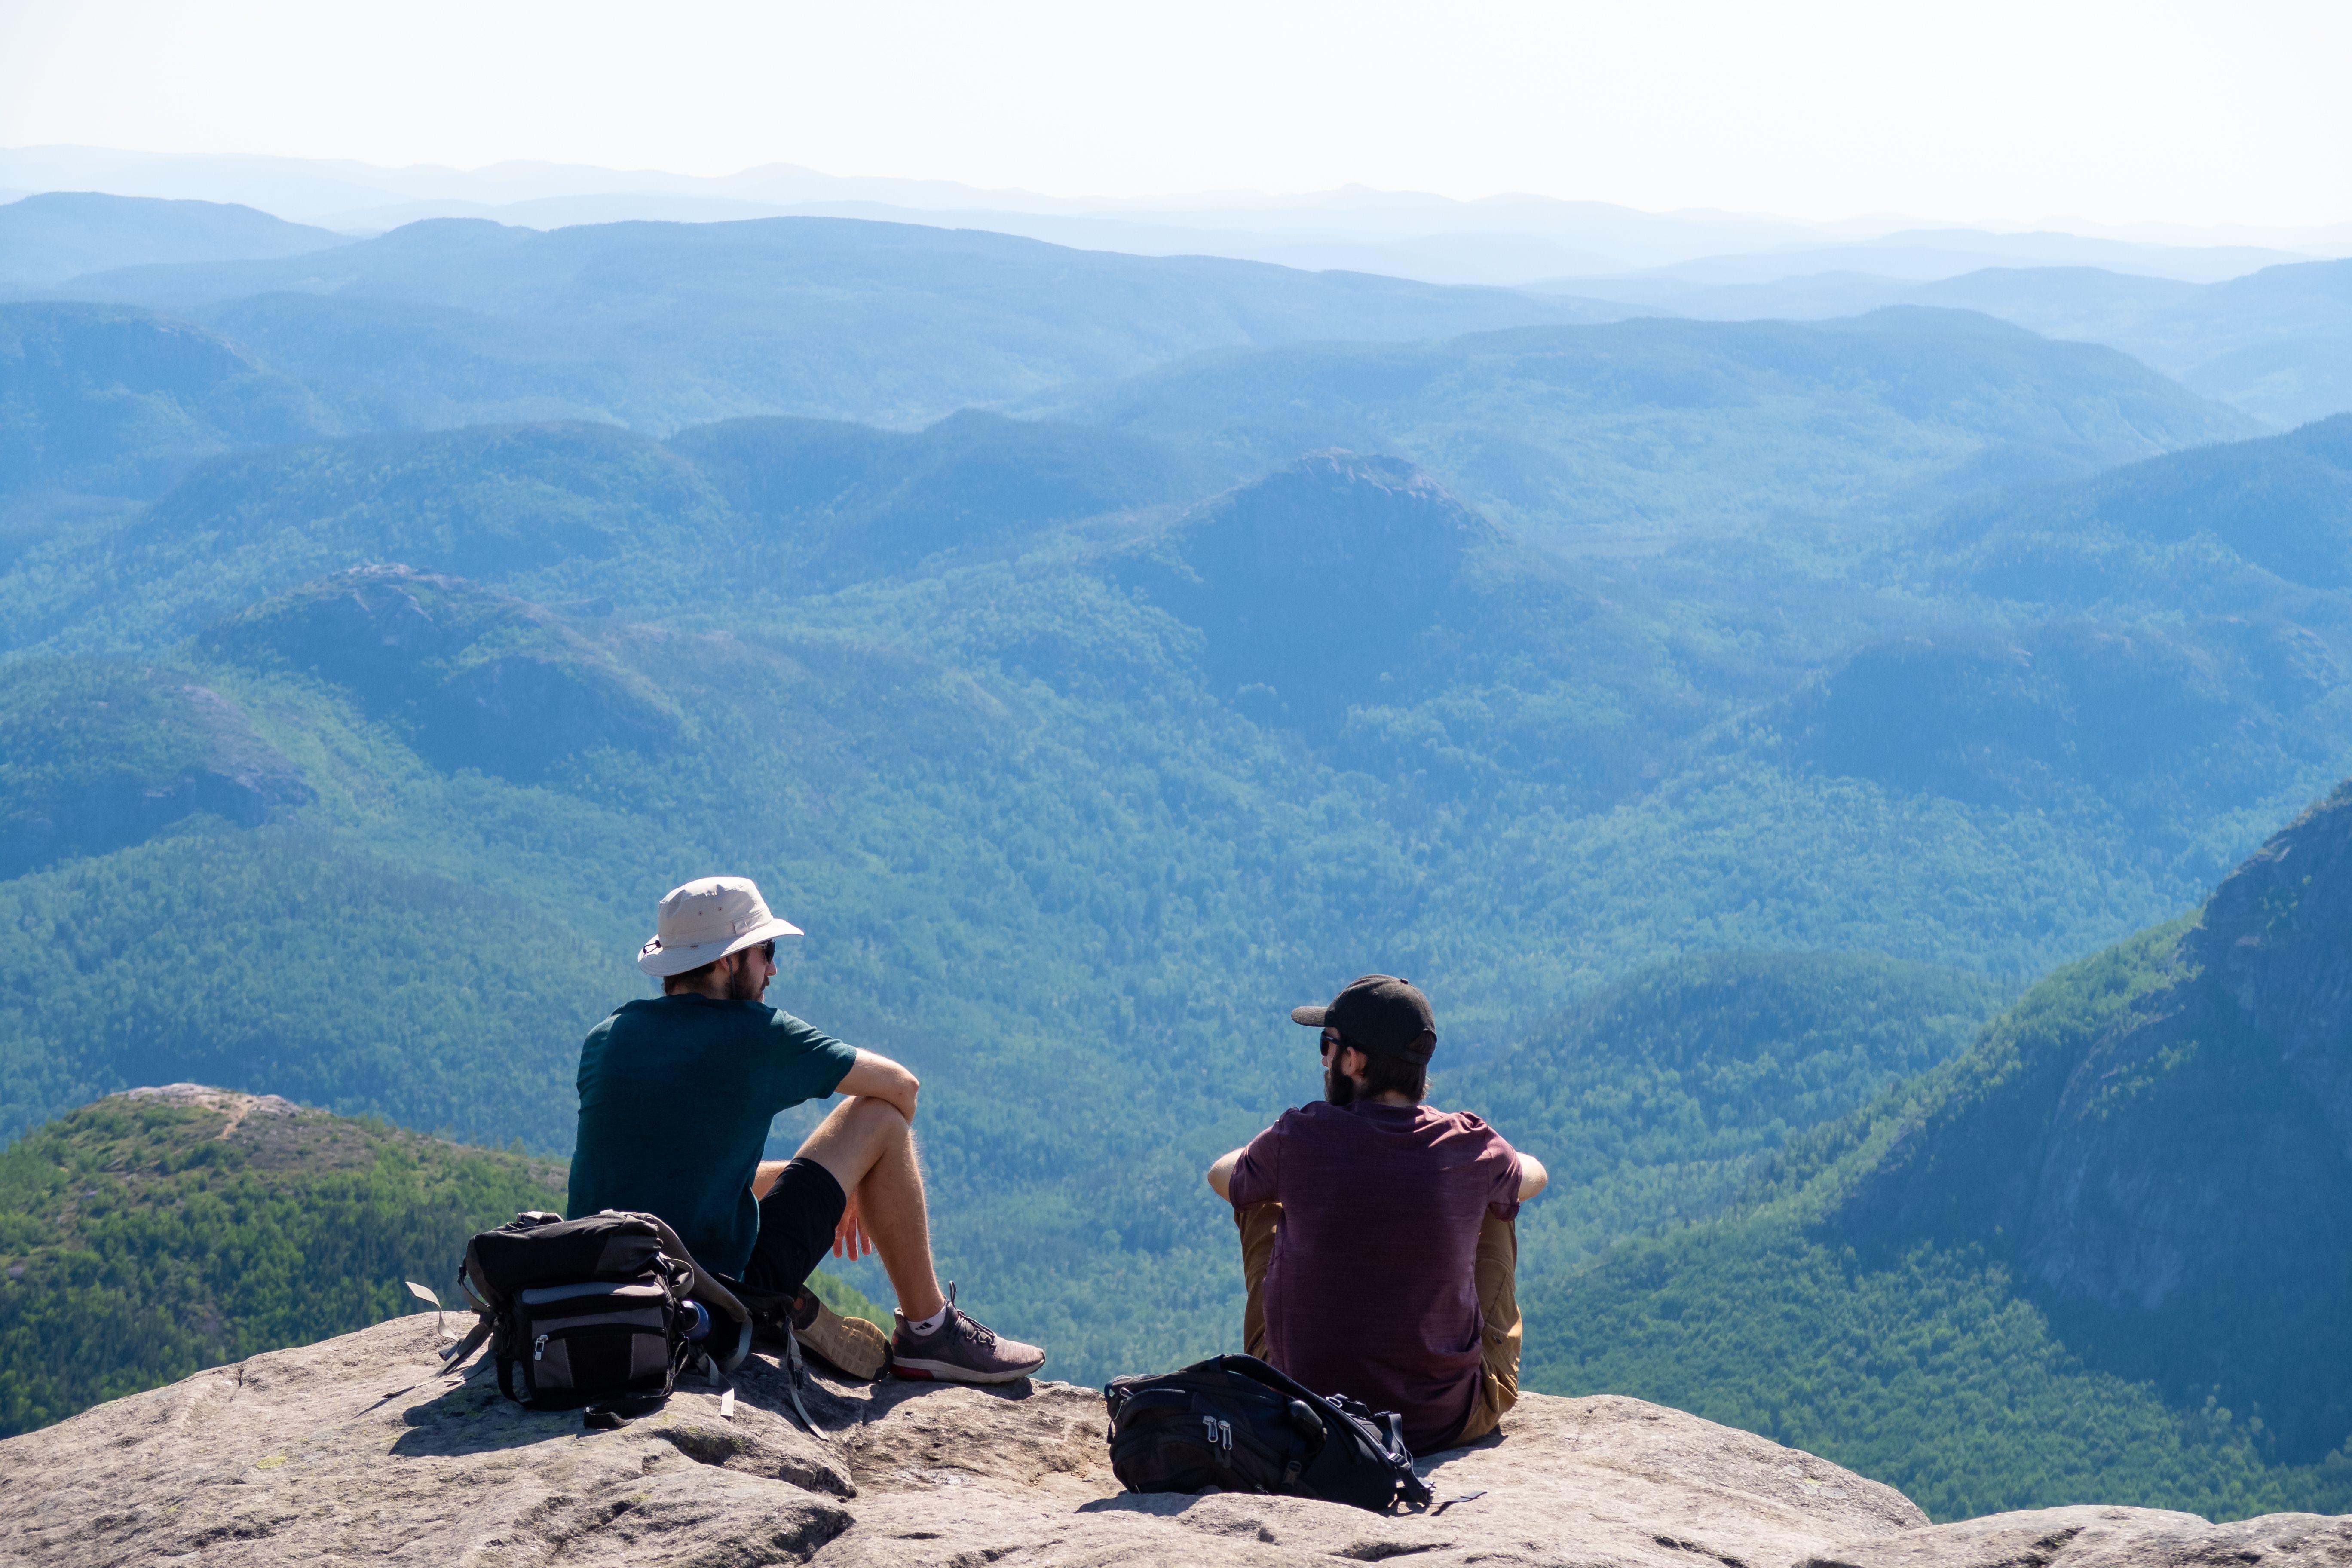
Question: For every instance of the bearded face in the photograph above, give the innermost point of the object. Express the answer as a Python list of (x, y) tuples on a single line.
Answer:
[(1338, 1086)]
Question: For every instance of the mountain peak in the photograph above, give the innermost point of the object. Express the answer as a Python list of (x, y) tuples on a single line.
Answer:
[(1314, 581)]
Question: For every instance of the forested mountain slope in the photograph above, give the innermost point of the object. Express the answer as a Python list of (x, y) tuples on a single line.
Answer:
[(2276, 343), (660, 325), (2249, 528), (1073, 811), (102, 400), (1592, 436), (1661, 1097), (155, 1233), (2100, 1253), (1711, 442), (165, 1230)]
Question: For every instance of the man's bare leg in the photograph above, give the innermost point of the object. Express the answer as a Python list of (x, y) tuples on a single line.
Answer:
[(868, 1147)]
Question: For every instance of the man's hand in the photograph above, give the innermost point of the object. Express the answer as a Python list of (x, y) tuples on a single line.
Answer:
[(849, 1238), (1221, 1175), (879, 1077), (1533, 1177)]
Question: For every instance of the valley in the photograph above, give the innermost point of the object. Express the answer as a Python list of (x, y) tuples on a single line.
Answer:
[(1733, 725)]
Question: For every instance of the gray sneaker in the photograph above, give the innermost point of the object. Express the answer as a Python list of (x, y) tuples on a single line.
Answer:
[(960, 1350)]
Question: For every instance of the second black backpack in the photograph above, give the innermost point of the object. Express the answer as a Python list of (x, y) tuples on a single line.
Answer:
[(1236, 1424)]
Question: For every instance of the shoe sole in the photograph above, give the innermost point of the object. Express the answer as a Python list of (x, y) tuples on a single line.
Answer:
[(837, 1341), (947, 1372)]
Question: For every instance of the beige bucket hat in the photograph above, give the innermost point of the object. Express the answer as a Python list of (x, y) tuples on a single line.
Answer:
[(705, 921)]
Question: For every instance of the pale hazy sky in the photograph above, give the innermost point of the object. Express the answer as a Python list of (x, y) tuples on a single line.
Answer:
[(2150, 110)]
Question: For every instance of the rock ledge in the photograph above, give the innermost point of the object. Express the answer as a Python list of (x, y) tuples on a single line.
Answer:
[(363, 1449)]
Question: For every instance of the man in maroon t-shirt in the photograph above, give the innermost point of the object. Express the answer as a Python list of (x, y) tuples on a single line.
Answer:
[(1376, 1230)]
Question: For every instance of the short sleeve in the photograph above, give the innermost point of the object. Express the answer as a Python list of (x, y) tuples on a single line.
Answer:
[(1503, 1197), (1257, 1176), (802, 1062)]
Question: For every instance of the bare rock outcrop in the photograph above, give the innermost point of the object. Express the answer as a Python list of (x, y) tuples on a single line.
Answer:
[(2104, 1538), (361, 1448)]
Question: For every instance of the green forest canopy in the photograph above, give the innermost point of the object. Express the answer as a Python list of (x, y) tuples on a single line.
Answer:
[(1711, 716)]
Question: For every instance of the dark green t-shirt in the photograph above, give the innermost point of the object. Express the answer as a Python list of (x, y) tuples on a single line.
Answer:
[(676, 1096)]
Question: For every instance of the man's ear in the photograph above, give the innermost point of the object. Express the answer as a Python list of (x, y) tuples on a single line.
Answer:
[(1353, 1063)]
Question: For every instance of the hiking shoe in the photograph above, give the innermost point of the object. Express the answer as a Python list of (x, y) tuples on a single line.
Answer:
[(851, 1345), (960, 1350)]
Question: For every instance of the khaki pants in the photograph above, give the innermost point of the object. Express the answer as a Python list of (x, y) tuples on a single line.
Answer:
[(1497, 1272)]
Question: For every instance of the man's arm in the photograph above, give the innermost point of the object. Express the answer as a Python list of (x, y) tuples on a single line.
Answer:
[(1221, 1175), (879, 1077), (1533, 1177), (876, 1077)]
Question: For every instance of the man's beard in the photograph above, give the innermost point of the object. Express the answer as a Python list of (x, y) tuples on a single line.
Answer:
[(1338, 1086), (747, 984)]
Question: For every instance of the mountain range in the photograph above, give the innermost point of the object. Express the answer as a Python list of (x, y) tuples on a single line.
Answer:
[(1502, 240), (47, 238), (1728, 723), (460, 320), (2275, 343)]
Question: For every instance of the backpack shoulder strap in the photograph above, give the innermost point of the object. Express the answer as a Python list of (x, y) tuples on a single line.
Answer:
[(797, 1373), (1411, 1488), (456, 1354)]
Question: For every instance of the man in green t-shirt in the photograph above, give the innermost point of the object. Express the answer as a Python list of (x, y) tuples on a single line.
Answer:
[(676, 1094)]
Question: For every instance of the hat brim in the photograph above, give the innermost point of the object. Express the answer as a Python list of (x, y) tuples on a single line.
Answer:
[(1312, 1017), (664, 961)]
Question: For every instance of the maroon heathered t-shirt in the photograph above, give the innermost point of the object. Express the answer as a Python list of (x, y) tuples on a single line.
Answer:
[(1370, 1291)]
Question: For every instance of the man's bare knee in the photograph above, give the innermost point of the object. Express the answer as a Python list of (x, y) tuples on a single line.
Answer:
[(877, 1117), (854, 1137)]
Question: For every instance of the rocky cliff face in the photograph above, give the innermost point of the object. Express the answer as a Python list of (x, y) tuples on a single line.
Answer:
[(2161, 1142), (364, 1447)]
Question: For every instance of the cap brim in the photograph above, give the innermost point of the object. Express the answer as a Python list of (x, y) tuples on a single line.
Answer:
[(1311, 1017), (664, 961)]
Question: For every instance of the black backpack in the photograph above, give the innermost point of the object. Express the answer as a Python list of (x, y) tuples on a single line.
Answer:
[(595, 1312), (1236, 1424)]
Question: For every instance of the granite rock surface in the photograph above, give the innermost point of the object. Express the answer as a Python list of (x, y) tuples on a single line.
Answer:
[(361, 1448)]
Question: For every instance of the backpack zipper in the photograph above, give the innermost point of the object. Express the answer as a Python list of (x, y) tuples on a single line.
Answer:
[(538, 1347)]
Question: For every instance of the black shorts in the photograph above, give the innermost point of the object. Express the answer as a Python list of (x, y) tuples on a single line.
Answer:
[(797, 1220)]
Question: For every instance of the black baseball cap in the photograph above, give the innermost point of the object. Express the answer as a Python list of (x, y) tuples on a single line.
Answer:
[(1380, 1014)]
